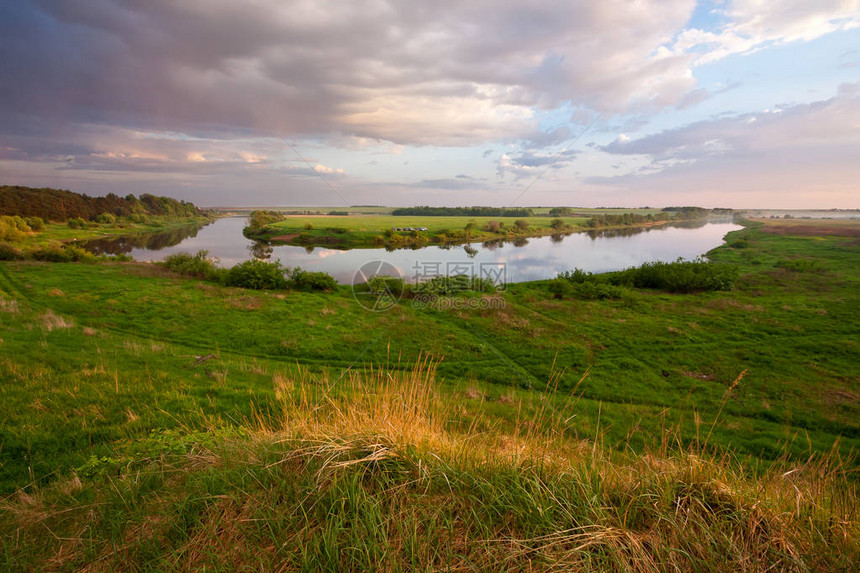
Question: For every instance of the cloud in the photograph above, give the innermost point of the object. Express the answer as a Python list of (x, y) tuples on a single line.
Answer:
[(753, 25), (430, 73), (456, 183), (530, 163), (779, 154), (828, 122), (325, 170), (206, 92)]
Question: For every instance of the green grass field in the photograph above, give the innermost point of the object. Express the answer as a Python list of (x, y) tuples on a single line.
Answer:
[(362, 231), (155, 421)]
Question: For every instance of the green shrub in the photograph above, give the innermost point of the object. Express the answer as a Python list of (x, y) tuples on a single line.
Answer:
[(308, 280), (454, 284), (679, 276), (256, 274), (105, 218), (561, 288), (35, 223), (586, 290), (21, 224), (598, 291), (577, 275), (383, 284), (63, 254), (198, 265), (12, 228), (77, 223)]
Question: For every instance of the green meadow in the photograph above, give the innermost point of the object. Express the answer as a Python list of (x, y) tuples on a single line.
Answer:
[(372, 229), (357, 231), (155, 421)]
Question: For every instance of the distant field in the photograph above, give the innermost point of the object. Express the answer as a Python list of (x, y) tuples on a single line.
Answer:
[(359, 231), (379, 223), (541, 211), (812, 227)]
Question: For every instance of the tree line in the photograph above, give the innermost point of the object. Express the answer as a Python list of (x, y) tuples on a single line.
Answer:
[(60, 205), (618, 219), (425, 211)]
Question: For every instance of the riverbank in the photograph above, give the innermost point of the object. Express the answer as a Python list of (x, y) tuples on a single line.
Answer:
[(58, 236)]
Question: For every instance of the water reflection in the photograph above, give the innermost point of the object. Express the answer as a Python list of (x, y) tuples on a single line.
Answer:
[(148, 241), (261, 250), (524, 259)]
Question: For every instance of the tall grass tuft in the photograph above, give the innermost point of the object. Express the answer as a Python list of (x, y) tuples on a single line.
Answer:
[(380, 469)]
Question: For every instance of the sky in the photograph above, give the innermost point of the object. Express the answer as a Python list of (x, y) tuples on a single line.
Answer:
[(742, 104)]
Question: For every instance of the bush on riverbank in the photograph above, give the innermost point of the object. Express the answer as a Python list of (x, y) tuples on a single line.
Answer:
[(256, 274), (198, 265), (447, 285), (63, 254), (678, 277), (252, 274), (299, 279)]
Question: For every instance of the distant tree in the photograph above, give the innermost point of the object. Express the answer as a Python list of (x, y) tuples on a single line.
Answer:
[(464, 211), (61, 205), (521, 224), (105, 218), (260, 219), (558, 224), (493, 226)]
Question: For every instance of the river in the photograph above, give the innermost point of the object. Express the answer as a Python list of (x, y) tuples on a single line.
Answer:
[(523, 260)]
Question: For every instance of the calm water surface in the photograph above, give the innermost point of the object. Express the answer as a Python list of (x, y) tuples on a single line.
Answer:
[(531, 259)]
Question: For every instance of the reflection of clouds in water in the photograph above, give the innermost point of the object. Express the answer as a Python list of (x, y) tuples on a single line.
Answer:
[(541, 258), (326, 253)]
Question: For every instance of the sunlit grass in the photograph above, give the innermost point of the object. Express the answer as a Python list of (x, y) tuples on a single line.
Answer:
[(364, 473)]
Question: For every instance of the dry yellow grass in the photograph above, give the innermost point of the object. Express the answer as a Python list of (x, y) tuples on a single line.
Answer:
[(50, 321)]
